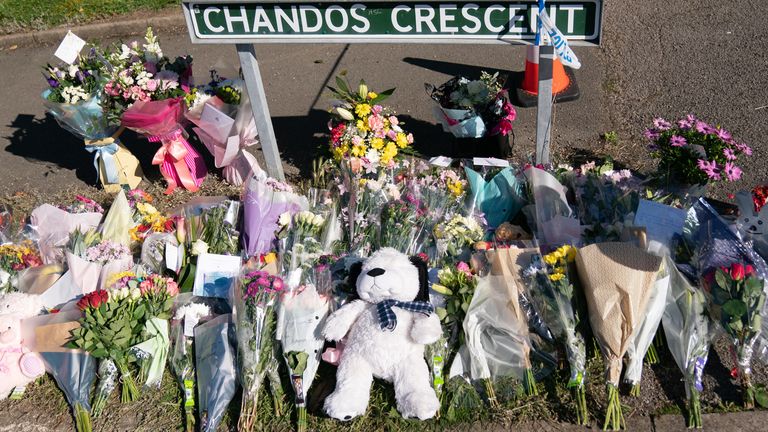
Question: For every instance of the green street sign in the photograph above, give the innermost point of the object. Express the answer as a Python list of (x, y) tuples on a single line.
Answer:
[(265, 21)]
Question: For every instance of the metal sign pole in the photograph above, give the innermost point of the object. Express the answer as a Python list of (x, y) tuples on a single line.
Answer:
[(255, 88), (544, 105)]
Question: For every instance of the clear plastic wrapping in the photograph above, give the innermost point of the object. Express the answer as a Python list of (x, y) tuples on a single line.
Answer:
[(216, 373)]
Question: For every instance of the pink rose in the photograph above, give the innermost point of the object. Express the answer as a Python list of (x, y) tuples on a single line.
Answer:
[(152, 85), (376, 122), (393, 121), (172, 288)]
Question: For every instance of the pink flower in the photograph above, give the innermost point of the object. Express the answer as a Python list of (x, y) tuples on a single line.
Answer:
[(172, 288), (747, 150), (277, 284), (152, 85), (723, 134), (357, 140), (661, 124), (651, 134), (377, 109), (710, 168), (464, 268), (703, 127), (729, 154), (392, 135), (504, 127), (732, 172), (376, 122), (409, 138), (145, 286), (677, 141), (262, 282), (685, 123), (510, 110), (393, 121)]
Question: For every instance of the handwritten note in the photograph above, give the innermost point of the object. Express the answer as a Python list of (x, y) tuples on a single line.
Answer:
[(69, 48), (661, 221)]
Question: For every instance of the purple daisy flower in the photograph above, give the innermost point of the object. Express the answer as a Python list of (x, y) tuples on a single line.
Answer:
[(732, 172), (703, 127), (685, 124), (709, 168), (661, 124), (723, 134), (747, 150), (729, 154), (651, 134), (677, 141)]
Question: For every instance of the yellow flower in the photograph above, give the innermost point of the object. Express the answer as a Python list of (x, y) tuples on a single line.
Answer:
[(359, 150), (377, 143), (372, 95), (570, 255), (362, 110), (556, 277), (270, 258), (117, 276), (146, 209), (362, 126), (402, 140), (340, 151), (550, 259), (560, 270), (456, 188)]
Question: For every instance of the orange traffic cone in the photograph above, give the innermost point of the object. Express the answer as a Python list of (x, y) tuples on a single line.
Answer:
[(564, 87)]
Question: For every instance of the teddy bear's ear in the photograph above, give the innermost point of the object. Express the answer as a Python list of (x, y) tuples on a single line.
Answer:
[(421, 265), (354, 273)]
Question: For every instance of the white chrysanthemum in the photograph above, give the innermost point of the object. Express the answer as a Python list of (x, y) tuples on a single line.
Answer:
[(193, 311)]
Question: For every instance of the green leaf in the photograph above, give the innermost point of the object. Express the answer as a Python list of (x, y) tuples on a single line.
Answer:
[(761, 395), (721, 279), (735, 308), (99, 353), (342, 85), (382, 96)]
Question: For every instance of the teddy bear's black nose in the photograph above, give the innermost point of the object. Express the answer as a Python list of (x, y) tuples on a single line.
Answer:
[(375, 272)]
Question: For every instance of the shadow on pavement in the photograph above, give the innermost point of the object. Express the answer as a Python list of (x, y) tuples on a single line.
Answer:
[(43, 141)]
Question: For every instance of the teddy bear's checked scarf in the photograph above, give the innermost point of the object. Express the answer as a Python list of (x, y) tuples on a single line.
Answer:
[(387, 317)]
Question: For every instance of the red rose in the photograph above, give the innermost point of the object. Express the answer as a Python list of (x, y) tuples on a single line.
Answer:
[(749, 271), (737, 271)]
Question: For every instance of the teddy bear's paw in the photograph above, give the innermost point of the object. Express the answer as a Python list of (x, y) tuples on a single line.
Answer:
[(333, 332), (421, 405), (345, 407)]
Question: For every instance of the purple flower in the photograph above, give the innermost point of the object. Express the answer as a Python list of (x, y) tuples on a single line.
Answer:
[(53, 83), (732, 172), (687, 122), (729, 154), (747, 150), (677, 141), (651, 134), (262, 281), (709, 168), (703, 127), (723, 134), (661, 124)]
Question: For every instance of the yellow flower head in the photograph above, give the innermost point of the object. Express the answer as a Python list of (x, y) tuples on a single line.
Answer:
[(117, 276), (359, 150), (377, 143), (401, 140), (362, 110), (362, 126), (270, 258), (550, 259), (372, 95), (556, 277), (570, 254), (146, 208), (456, 188)]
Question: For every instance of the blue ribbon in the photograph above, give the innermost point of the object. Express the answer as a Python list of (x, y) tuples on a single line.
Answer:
[(105, 153)]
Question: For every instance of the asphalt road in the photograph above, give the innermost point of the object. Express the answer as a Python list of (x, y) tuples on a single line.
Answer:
[(658, 58)]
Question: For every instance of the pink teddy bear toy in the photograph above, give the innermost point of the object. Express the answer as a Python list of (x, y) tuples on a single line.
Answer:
[(18, 366)]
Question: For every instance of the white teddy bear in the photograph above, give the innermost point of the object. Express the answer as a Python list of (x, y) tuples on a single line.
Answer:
[(386, 330)]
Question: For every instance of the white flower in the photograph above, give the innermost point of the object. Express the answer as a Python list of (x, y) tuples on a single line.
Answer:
[(392, 191), (373, 185), (73, 70), (318, 220), (125, 292), (284, 219), (199, 247), (143, 78), (4, 277), (135, 293), (73, 95)]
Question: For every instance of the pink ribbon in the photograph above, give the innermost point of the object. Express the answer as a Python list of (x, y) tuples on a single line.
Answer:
[(178, 162), (230, 155), (333, 355)]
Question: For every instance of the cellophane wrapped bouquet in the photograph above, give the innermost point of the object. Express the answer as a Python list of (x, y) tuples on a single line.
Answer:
[(145, 93), (255, 310)]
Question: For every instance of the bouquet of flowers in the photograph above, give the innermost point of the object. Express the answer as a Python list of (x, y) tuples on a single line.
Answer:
[(146, 217), (617, 280), (227, 145), (53, 226), (157, 297), (473, 109), (145, 93), (82, 204), (456, 234), (692, 152), (361, 202), (550, 216), (402, 222), (256, 321), (302, 313), (187, 315), (686, 328), (607, 200), (73, 98), (216, 373), (455, 289), (498, 194), (92, 261), (552, 290), (267, 205), (733, 278), (108, 327), (363, 132), (219, 233), (15, 258)]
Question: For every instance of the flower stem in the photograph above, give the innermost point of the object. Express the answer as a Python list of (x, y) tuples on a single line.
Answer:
[(530, 383), (580, 400), (189, 419), (99, 402), (492, 401), (129, 392), (652, 357), (748, 390), (694, 409), (82, 419), (614, 418), (301, 422), (635, 391)]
